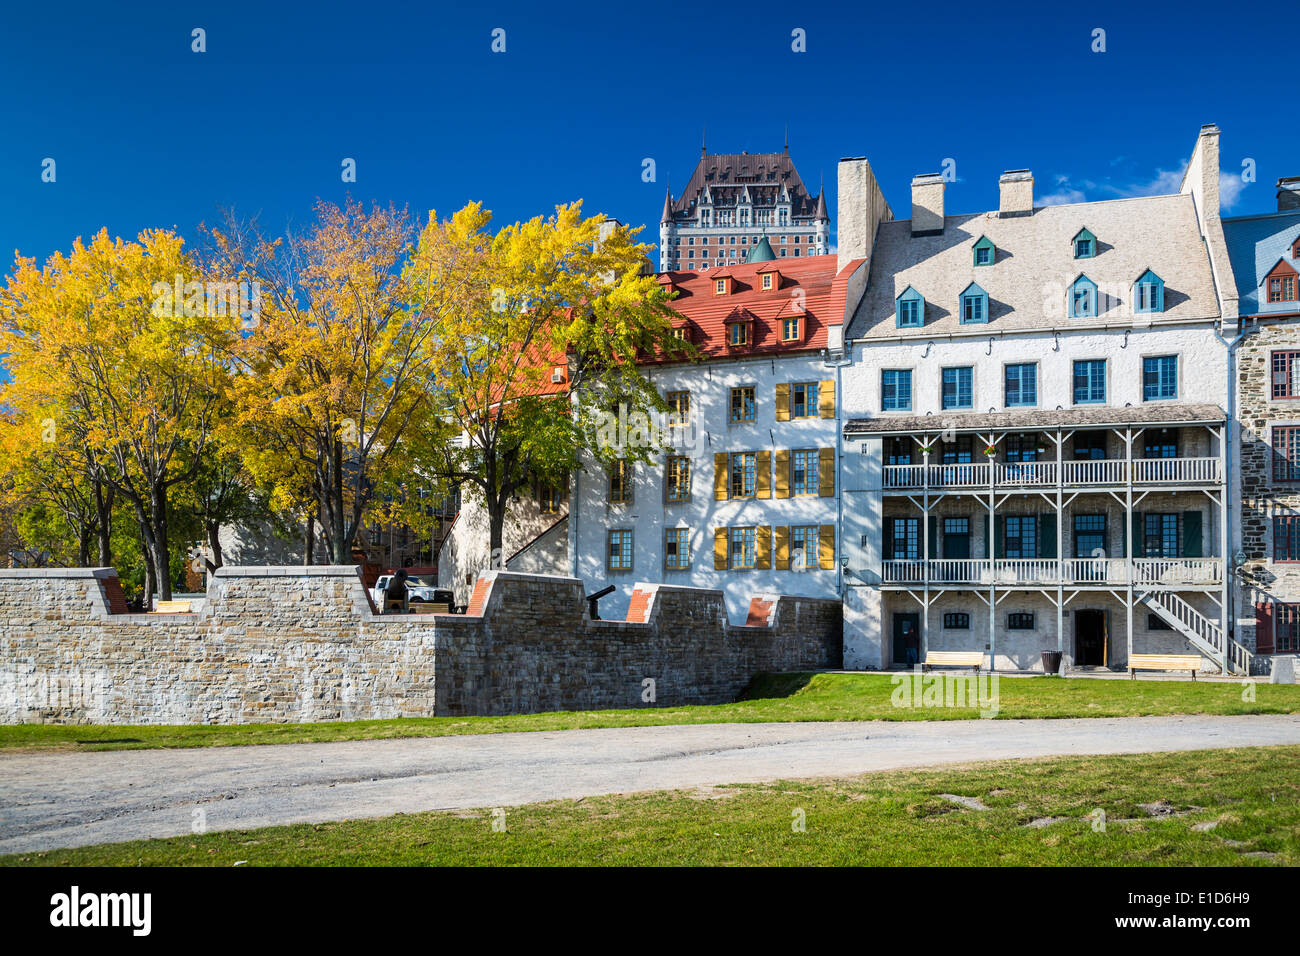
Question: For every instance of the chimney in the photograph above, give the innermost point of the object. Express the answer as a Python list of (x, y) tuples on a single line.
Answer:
[(862, 208), (927, 204), (1288, 194), (1015, 193)]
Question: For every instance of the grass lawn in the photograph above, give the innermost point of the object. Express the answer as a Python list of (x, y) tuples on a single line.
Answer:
[(1206, 808), (778, 697)]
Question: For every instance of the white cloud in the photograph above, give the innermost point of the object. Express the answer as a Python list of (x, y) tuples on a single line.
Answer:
[(1061, 197), (1230, 188), (1165, 182)]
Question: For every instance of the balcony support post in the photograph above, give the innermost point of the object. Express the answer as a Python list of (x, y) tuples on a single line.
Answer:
[(1224, 545), (1128, 530), (925, 549), (990, 549), (1059, 438)]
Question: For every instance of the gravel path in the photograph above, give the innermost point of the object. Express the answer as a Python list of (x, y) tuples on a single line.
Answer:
[(60, 800)]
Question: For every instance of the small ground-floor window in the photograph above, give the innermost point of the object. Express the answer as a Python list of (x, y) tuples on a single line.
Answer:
[(1020, 621), (956, 621)]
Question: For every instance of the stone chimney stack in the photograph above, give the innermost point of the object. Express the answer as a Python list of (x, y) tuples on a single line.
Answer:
[(927, 204), (1015, 193), (861, 209), (1288, 194)]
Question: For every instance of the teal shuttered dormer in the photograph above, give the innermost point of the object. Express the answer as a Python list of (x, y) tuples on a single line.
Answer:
[(974, 305), (1149, 293), (1085, 244), (985, 253), (1082, 298), (910, 309)]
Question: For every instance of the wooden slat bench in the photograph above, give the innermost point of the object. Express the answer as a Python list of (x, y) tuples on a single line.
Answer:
[(430, 607), (1164, 662), (973, 659), (171, 607)]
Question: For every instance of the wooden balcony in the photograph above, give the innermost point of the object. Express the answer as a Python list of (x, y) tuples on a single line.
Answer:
[(1147, 573), (1075, 475)]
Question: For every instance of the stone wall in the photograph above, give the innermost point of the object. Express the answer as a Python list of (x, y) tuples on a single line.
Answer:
[(290, 644)]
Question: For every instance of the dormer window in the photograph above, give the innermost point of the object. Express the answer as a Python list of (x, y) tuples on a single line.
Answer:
[(1280, 284), (737, 334), (1083, 298), (682, 333), (790, 330), (767, 281), (720, 287), (910, 309), (1149, 293), (1295, 248), (974, 305), (985, 252), (1085, 245)]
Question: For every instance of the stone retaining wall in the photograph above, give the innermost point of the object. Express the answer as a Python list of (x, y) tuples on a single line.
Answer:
[(304, 644)]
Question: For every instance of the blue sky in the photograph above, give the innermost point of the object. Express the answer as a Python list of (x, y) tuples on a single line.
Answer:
[(145, 132)]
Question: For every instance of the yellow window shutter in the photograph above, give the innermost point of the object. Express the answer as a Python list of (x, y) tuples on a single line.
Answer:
[(826, 472), (827, 542), (763, 464), (826, 399), (783, 473), (763, 557), (782, 548), (719, 549), (783, 402), (720, 476)]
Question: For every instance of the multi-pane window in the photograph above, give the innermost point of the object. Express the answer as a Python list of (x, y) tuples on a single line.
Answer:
[(1286, 628), (972, 307), (1160, 535), (1083, 247), (1286, 453), (1089, 381), (679, 478), (549, 499), (738, 333), (1149, 293), (958, 387), (803, 400), (956, 621), (1020, 536), (1089, 536), (957, 451), (1159, 377), (903, 541), (679, 408), (909, 311), (620, 481), (1021, 447), (789, 330), (677, 548), (744, 474), (804, 542), (620, 550), (1083, 299), (1286, 537), (896, 390), (803, 472), (767, 281), (1089, 446), (1286, 380), (1281, 289), (1020, 621), (898, 451), (984, 255), (1021, 385), (1161, 443), (742, 404), (744, 547)]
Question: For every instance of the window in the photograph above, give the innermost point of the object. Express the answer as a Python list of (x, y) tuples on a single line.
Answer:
[(1285, 380), (1159, 378), (1020, 621), (742, 404), (911, 309), (789, 330), (957, 451), (679, 478), (956, 621), (1149, 293), (1089, 446), (744, 474), (1286, 453), (899, 451), (1021, 385), (620, 482), (1083, 298), (1286, 628), (1160, 536), (1022, 446), (984, 252), (679, 408), (804, 544), (682, 333), (1162, 443), (974, 305), (1281, 288), (737, 333), (958, 388), (1085, 245), (549, 499), (803, 472), (767, 281), (677, 548), (1295, 249), (1286, 537), (1089, 536), (1157, 623), (620, 550), (896, 390), (803, 400), (744, 547), (1090, 382), (901, 540), (1020, 536)]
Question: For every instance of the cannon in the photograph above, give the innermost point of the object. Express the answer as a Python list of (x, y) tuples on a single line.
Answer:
[(594, 599)]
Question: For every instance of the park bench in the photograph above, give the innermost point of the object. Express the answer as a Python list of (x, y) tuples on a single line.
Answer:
[(1164, 662), (430, 607), (973, 659), (172, 607)]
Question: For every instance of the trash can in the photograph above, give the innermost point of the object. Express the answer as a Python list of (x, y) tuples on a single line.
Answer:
[(1051, 662)]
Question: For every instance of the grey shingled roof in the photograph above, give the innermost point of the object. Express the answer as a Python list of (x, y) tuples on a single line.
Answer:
[(1035, 255), (1039, 418)]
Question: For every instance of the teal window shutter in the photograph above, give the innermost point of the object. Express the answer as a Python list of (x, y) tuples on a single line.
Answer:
[(934, 537), (1192, 534), (1000, 536), (1047, 536)]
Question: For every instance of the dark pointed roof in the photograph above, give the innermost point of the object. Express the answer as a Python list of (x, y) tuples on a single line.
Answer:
[(762, 252), (727, 174), (668, 207)]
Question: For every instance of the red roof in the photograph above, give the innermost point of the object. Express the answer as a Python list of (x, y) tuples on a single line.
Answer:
[(823, 288)]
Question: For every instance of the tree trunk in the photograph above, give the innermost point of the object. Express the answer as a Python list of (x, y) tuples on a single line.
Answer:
[(146, 548), (84, 535), (496, 527), (162, 560), (104, 525), (213, 530), (308, 538)]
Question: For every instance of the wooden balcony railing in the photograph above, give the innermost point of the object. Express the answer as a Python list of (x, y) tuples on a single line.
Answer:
[(1035, 572), (1039, 474)]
